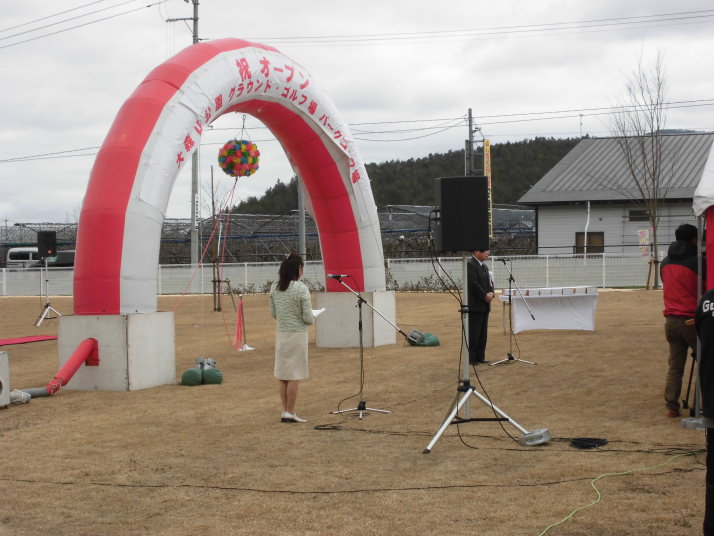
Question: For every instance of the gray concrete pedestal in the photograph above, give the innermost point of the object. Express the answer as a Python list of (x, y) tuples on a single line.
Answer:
[(136, 351), (338, 326)]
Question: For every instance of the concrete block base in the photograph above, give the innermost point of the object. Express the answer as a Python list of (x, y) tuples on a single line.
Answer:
[(136, 351), (4, 380), (338, 326)]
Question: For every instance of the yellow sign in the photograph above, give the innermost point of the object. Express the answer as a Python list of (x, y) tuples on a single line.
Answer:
[(643, 235), (487, 173)]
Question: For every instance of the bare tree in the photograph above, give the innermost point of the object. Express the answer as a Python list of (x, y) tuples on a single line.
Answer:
[(638, 126)]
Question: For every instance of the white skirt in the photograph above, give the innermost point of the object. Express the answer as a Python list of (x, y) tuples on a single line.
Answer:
[(291, 355)]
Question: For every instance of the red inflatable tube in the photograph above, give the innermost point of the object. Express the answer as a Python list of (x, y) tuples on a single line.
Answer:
[(86, 353)]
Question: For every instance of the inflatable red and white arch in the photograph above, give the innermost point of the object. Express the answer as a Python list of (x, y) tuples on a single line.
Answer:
[(160, 126)]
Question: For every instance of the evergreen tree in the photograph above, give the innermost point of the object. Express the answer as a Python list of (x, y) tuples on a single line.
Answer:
[(515, 167), (277, 199)]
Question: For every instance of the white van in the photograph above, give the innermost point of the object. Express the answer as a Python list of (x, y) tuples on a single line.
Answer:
[(19, 258), (64, 258)]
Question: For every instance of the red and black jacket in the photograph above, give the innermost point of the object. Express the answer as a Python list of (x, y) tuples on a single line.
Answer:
[(679, 279)]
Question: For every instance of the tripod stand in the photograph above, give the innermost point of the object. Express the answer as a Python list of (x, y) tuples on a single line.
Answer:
[(512, 281), (685, 402), (48, 308), (462, 396), (362, 405), (465, 390), (695, 421)]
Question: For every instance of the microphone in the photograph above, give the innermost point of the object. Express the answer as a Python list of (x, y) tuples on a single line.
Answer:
[(504, 260), (336, 276)]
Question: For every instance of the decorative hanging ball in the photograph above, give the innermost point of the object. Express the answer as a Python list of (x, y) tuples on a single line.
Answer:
[(239, 158)]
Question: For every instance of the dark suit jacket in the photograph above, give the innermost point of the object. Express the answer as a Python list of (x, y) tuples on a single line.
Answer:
[(479, 284), (704, 320)]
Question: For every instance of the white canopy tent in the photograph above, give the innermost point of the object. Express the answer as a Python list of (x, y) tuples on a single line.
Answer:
[(703, 206)]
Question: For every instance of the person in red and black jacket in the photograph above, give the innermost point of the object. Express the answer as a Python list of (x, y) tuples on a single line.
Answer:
[(679, 281)]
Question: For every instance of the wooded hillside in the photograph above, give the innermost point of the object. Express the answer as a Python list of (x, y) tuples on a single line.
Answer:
[(516, 166)]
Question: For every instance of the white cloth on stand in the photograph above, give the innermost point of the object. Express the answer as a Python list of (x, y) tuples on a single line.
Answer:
[(553, 308)]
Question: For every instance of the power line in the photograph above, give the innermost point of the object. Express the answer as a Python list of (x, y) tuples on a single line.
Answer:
[(676, 18), (410, 138), (575, 112), (84, 24), (446, 124), (64, 20), (442, 33), (47, 156), (597, 111), (50, 16), (671, 104)]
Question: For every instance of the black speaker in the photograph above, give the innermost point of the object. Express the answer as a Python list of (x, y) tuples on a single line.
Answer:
[(464, 217), (46, 244)]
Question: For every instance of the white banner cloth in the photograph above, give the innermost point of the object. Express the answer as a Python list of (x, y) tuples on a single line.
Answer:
[(553, 308)]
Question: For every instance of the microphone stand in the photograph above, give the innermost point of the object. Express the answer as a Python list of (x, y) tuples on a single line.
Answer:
[(512, 281), (362, 405)]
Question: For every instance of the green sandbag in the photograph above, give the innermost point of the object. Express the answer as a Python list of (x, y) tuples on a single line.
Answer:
[(192, 376), (212, 376), (429, 339)]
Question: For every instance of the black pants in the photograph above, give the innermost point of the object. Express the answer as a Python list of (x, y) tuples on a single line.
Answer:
[(709, 497), (478, 333)]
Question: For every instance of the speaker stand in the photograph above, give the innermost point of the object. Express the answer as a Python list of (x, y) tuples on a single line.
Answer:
[(46, 311), (461, 398), (465, 390), (47, 308)]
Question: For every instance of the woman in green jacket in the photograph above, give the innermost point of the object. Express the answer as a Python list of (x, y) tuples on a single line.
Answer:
[(290, 305)]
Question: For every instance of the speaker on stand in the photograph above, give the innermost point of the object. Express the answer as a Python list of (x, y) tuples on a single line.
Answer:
[(464, 217), (46, 247), (463, 225), (46, 244)]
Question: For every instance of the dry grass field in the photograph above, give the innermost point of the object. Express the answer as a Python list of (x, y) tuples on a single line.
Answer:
[(216, 460)]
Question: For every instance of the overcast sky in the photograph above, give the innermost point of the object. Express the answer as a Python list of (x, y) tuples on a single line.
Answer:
[(403, 75)]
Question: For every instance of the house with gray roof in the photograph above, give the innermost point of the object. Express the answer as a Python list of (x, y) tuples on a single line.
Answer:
[(591, 194)]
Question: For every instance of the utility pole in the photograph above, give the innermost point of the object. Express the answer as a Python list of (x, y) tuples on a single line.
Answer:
[(469, 152), (485, 170), (302, 249), (215, 245), (195, 205)]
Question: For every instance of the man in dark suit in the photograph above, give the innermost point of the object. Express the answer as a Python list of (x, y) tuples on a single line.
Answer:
[(704, 324), (480, 294)]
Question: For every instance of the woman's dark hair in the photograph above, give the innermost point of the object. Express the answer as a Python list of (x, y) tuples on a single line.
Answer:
[(289, 270)]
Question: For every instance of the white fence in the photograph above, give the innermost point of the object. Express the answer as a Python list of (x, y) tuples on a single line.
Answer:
[(535, 271), (532, 271)]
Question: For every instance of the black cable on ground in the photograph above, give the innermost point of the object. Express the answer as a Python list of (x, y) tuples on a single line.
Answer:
[(587, 442)]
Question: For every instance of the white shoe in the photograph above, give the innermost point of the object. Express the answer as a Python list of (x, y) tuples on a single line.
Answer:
[(291, 417)]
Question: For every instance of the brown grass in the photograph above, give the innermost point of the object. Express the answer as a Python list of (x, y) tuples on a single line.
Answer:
[(215, 460)]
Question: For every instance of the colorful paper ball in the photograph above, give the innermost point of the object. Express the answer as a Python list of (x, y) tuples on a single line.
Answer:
[(239, 158)]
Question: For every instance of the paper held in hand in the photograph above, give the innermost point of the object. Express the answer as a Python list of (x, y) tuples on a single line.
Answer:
[(318, 312)]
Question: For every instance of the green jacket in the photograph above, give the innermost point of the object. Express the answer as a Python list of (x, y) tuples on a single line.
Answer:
[(292, 308)]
